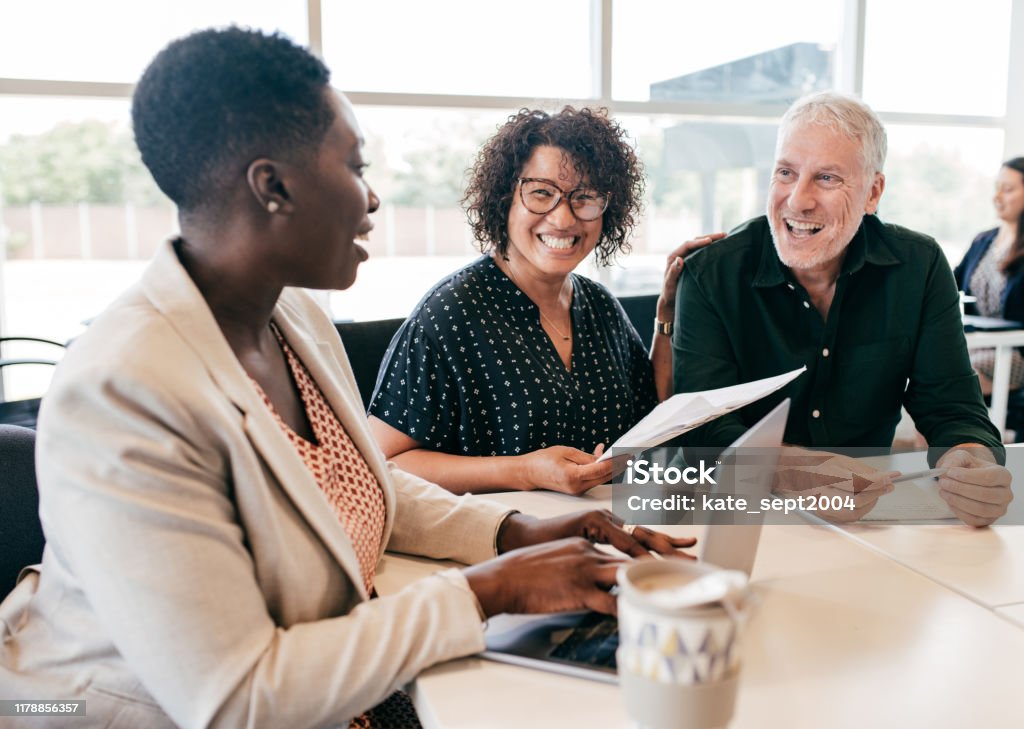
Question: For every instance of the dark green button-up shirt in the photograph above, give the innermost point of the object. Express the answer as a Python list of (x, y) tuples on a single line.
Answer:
[(893, 337)]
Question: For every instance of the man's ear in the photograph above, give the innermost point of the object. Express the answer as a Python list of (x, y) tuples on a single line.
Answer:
[(877, 188), (267, 185)]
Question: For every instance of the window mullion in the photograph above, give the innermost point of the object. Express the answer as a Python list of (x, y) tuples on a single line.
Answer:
[(315, 27), (601, 50), (850, 57), (1014, 139)]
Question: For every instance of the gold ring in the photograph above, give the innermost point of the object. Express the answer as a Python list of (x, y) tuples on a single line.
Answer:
[(629, 528)]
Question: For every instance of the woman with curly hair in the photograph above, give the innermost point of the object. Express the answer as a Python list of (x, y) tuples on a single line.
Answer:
[(515, 358)]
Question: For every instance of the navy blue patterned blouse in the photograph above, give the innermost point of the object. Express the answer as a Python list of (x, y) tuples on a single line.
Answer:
[(472, 372)]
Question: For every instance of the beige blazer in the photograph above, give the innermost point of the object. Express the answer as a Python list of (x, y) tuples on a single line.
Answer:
[(194, 573)]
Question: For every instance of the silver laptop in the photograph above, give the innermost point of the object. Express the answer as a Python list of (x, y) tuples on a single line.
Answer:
[(583, 644)]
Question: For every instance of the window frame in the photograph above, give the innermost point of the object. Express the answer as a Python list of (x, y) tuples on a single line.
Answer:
[(849, 78)]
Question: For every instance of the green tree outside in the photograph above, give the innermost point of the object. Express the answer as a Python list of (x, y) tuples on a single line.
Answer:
[(89, 161)]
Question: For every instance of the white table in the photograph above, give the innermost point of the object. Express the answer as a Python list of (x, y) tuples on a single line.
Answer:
[(1004, 343), (1014, 613), (984, 565), (844, 637)]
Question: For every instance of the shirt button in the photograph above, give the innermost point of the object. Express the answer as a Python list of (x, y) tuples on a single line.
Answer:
[(807, 305), (791, 287), (815, 413), (824, 352)]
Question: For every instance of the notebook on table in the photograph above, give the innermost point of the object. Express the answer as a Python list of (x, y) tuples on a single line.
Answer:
[(974, 323)]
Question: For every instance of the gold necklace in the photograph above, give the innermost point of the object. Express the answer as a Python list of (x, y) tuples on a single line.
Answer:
[(559, 331), (542, 314)]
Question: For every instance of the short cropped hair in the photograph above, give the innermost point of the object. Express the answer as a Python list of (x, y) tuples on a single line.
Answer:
[(844, 114), (212, 102), (598, 149)]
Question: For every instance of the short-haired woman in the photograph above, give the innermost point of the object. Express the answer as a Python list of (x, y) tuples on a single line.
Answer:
[(213, 502)]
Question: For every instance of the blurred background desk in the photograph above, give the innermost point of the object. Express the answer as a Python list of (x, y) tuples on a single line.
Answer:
[(844, 637), (1004, 343)]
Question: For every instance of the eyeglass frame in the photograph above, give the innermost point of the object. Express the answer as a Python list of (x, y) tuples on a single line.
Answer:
[(563, 195)]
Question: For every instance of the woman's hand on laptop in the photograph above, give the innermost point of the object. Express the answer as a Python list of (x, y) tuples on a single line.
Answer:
[(553, 565), (568, 574), (598, 526)]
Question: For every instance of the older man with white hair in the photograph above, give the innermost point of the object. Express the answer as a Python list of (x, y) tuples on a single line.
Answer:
[(869, 307)]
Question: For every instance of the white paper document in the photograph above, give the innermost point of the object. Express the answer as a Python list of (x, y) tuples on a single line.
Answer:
[(916, 500), (688, 410), (912, 501)]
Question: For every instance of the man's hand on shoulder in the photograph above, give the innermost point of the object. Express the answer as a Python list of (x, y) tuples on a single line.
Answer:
[(666, 310), (976, 488)]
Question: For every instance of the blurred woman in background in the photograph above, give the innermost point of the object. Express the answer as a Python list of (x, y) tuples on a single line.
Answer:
[(992, 270)]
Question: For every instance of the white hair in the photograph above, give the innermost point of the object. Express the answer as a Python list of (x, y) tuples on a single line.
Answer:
[(844, 114)]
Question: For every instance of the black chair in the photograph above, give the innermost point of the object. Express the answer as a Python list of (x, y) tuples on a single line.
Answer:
[(1015, 414), (366, 342), (24, 412), (641, 310), (21, 534)]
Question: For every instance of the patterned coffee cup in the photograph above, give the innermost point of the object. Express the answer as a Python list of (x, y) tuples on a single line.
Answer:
[(678, 665)]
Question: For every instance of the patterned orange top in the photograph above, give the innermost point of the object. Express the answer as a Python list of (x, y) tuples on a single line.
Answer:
[(338, 467)]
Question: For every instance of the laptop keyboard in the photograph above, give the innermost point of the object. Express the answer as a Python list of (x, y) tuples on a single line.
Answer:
[(593, 642)]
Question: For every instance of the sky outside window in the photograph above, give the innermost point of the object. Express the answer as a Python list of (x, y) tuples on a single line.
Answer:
[(525, 48), (114, 40), (655, 40), (937, 58)]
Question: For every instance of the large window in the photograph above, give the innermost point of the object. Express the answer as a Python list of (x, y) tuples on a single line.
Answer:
[(941, 180), (730, 51), (418, 162), (113, 40), (924, 58), (79, 216), (698, 88), (529, 48)]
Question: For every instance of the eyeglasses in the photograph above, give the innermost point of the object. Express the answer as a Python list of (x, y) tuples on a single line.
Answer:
[(542, 196)]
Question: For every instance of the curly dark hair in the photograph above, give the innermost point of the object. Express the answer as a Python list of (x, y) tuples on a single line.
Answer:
[(212, 102), (599, 151)]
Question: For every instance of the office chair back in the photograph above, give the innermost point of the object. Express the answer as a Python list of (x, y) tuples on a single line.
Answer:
[(24, 412), (641, 311), (21, 533), (366, 342)]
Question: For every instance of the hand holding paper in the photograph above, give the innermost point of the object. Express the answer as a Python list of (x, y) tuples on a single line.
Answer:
[(688, 410)]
